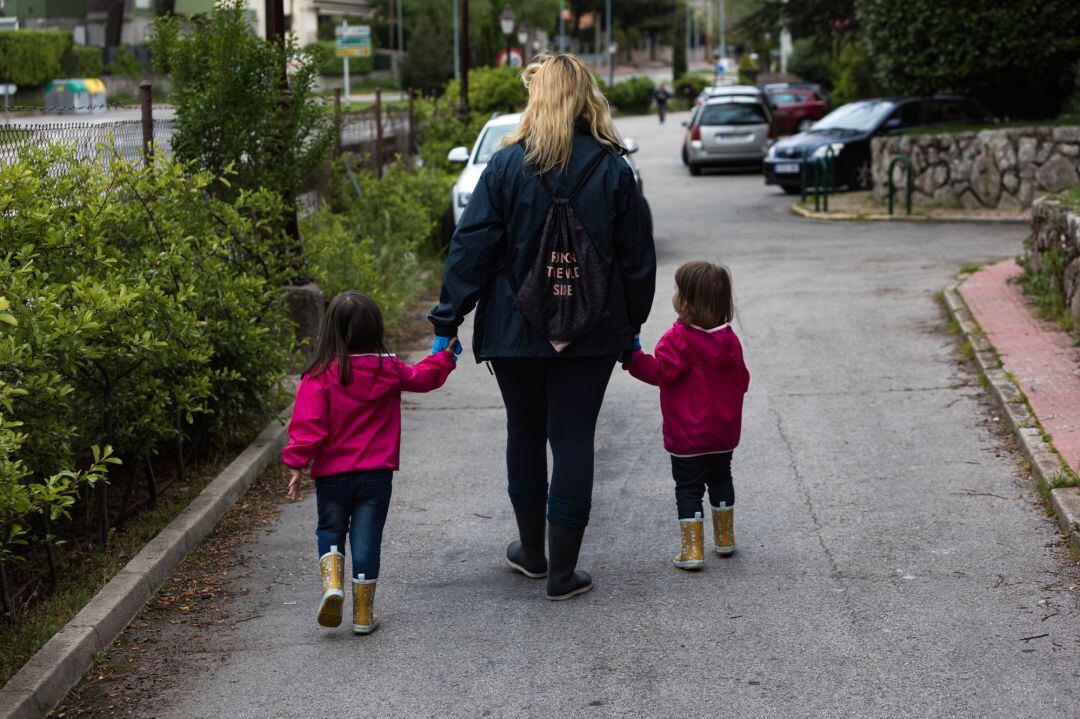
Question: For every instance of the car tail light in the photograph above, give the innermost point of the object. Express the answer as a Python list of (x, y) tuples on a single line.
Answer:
[(695, 133)]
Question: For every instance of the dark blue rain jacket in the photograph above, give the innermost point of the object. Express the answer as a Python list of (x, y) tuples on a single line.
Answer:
[(497, 239)]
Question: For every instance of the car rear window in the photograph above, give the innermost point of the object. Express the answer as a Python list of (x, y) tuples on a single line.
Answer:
[(786, 98), (735, 113)]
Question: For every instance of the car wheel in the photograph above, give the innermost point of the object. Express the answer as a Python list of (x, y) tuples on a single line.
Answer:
[(685, 158), (791, 189), (695, 169), (863, 178), (804, 124)]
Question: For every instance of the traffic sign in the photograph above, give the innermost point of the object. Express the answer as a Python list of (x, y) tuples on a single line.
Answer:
[(517, 58), (6, 90), (352, 41)]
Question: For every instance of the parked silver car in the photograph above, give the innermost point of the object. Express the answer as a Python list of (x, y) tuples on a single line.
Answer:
[(727, 130)]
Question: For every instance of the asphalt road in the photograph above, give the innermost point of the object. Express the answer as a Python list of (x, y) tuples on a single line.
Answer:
[(892, 558)]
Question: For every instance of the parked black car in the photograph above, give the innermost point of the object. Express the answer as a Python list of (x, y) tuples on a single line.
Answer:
[(849, 129)]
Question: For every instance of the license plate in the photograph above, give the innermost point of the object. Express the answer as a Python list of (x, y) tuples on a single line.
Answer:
[(787, 168), (720, 137)]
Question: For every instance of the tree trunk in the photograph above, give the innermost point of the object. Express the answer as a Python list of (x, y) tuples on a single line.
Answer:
[(114, 23)]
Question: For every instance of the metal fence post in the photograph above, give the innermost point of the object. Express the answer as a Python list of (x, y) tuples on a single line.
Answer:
[(147, 121), (412, 127), (378, 133), (337, 120)]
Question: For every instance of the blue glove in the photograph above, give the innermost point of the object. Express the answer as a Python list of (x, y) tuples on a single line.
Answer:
[(442, 344), (628, 355)]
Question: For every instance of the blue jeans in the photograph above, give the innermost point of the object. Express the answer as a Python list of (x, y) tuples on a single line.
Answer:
[(354, 503)]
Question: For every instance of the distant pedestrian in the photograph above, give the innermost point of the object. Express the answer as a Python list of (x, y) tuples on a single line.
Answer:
[(346, 426), (661, 96), (559, 178), (702, 377)]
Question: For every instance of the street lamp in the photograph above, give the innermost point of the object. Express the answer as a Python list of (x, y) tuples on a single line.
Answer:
[(523, 40), (506, 23)]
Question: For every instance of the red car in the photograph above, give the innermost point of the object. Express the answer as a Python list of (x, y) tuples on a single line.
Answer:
[(796, 109)]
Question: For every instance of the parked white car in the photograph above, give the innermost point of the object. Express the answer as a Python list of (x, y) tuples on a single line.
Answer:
[(485, 146)]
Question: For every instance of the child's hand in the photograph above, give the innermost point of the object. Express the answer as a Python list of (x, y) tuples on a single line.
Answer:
[(452, 345), (295, 475), (627, 356)]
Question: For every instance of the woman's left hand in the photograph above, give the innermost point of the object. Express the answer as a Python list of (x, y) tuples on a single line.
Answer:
[(295, 475)]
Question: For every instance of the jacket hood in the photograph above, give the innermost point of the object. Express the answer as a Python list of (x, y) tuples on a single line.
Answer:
[(713, 347)]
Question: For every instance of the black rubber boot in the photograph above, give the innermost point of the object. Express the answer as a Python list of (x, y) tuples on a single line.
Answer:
[(564, 581), (527, 554)]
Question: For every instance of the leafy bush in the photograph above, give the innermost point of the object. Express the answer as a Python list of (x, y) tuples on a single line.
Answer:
[(492, 89), (630, 97), (853, 73), (135, 297), (429, 63), (233, 115), (83, 61), (1017, 58), (32, 57), (690, 85), (125, 62), (811, 60), (330, 65), (376, 242)]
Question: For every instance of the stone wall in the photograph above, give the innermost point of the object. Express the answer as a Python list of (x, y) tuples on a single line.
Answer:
[(1055, 228), (1002, 169)]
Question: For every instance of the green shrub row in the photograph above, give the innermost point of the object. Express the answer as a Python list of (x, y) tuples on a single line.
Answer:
[(630, 97), (132, 297), (377, 234), (33, 57)]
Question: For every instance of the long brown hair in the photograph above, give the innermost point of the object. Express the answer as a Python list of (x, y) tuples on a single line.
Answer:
[(703, 294), (352, 324), (562, 92)]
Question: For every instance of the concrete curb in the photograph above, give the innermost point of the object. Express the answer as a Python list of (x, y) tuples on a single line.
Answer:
[(849, 216), (46, 679), (1045, 462)]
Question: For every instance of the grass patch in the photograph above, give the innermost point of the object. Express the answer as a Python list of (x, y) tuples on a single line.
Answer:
[(1044, 286), (85, 572)]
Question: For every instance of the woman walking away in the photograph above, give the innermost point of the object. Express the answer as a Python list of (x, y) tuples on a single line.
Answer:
[(347, 426), (555, 247), (702, 378)]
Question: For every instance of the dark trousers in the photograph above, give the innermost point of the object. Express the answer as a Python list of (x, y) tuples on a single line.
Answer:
[(354, 504), (552, 400), (693, 474)]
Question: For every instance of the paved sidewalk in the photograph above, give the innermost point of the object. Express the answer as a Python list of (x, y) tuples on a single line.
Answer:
[(1041, 358)]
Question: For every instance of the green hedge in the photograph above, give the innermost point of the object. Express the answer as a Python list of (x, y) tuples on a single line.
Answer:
[(630, 97), (33, 57), (133, 297), (332, 66), (377, 241), (84, 61)]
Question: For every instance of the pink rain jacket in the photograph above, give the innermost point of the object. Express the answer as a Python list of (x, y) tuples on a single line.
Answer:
[(702, 380), (345, 428)]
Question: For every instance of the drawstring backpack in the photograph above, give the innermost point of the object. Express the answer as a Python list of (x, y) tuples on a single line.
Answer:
[(565, 292)]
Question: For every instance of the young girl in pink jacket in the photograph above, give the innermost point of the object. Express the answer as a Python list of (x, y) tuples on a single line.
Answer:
[(346, 426), (699, 369)]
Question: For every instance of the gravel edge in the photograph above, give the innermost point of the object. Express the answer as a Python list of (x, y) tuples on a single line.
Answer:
[(46, 679), (1046, 464), (809, 214)]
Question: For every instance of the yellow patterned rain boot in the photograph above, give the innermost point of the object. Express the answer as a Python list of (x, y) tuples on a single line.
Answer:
[(692, 555), (723, 525), (332, 565), (363, 597)]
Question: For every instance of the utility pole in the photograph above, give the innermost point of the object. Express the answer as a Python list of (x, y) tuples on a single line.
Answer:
[(562, 27), (457, 42), (275, 21), (686, 40), (607, 48), (463, 104), (723, 30), (400, 31)]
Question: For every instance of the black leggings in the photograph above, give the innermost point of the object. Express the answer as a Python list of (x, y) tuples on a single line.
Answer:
[(552, 400), (693, 474)]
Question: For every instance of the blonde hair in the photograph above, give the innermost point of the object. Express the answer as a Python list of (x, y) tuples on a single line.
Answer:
[(562, 91)]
